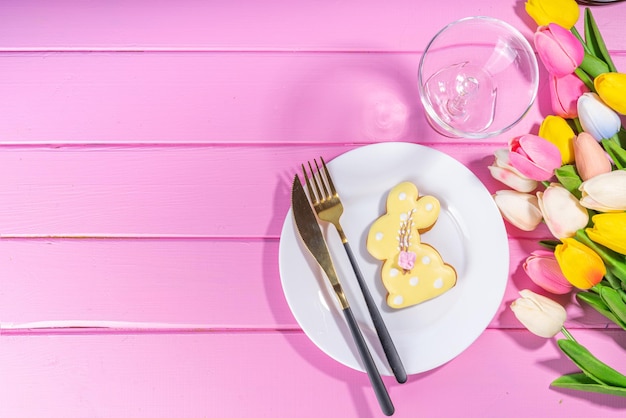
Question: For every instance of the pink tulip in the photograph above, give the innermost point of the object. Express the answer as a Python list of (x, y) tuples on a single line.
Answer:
[(534, 157), (590, 157), (564, 94), (543, 269), (559, 50)]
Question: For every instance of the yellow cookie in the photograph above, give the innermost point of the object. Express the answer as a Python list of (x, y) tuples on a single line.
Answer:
[(412, 272)]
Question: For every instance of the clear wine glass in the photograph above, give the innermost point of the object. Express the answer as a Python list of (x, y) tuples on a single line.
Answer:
[(477, 78)]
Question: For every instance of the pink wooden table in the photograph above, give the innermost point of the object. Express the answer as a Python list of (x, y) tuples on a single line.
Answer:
[(147, 147)]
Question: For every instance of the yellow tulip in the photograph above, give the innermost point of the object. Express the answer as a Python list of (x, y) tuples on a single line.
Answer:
[(561, 12), (611, 88), (609, 229), (580, 265), (556, 130)]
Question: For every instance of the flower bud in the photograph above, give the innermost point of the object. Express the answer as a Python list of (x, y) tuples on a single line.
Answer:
[(562, 12), (534, 157), (580, 265), (562, 212), (520, 209), (540, 315), (559, 50), (596, 117), (609, 229), (590, 157), (605, 192), (611, 88), (556, 130), (543, 269), (564, 94)]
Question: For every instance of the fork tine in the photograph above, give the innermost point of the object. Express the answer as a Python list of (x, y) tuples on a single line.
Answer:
[(315, 181), (312, 195), (326, 195), (333, 192)]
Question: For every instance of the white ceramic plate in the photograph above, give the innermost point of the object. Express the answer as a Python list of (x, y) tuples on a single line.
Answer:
[(469, 234)]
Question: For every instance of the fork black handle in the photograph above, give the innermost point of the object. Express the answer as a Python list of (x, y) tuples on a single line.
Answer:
[(381, 329), (372, 372)]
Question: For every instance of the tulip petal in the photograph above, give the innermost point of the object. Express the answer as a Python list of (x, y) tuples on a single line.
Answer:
[(562, 212), (563, 12), (605, 192), (564, 94), (534, 157), (596, 117), (539, 314), (591, 160), (520, 209), (559, 50), (512, 179), (544, 271), (609, 229), (556, 130), (611, 88), (580, 265)]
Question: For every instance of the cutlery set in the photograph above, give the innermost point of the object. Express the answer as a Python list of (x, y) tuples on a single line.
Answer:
[(327, 204)]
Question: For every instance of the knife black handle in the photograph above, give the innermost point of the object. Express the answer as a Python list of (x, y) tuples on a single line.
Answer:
[(381, 329), (372, 372)]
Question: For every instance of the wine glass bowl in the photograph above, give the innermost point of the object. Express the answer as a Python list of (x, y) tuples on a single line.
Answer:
[(477, 78)]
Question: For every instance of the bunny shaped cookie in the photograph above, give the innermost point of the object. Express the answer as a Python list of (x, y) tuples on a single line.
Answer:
[(412, 272)]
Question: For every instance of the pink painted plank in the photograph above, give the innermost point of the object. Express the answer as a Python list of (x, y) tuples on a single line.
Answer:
[(279, 25), (283, 374), (221, 191), (166, 97), (177, 283)]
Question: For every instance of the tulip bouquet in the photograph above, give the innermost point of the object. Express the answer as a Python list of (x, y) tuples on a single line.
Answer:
[(578, 158)]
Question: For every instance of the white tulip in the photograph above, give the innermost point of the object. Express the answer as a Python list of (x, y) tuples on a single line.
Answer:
[(520, 209), (540, 315), (605, 192), (562, 211), (596, 118)]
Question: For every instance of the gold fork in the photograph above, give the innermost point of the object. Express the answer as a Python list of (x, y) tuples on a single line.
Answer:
[(329, 208)]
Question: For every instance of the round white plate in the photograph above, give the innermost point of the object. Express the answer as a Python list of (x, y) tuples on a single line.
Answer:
[(469, 234)]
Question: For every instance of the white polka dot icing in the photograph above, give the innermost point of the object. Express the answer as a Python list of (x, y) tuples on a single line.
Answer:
[(398, 300), (402, 196), (428, 207), (413, 281), (426, 260), (394, 272), (438, 284), (379, 236)]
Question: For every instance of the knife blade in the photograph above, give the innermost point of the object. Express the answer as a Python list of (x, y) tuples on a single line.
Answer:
[(311, 234)]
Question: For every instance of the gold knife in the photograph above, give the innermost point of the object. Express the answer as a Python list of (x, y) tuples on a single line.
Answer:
[(311, 234)]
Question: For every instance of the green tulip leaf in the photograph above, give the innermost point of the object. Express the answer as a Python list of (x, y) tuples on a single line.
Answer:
[(590, 365), (595, 42), (596, 302), (569, 178), (549, 244), (593, 66), (613, 300), (579, 381), (615, 151)]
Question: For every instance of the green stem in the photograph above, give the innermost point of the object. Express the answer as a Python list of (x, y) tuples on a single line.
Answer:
[(585, 78), (569, 336), (579, 127)]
